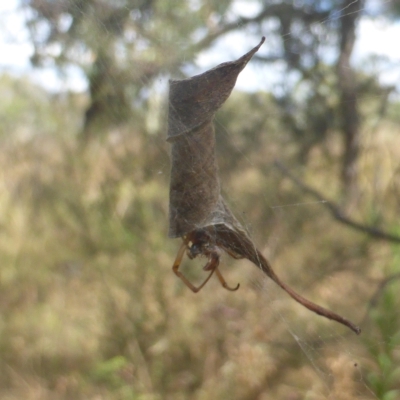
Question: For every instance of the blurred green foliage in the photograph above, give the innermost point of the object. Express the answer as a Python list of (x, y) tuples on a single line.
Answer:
[(26, 110), (384, 344)]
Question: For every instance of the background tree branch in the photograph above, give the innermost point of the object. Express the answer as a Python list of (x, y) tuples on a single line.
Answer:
[(335, 210)]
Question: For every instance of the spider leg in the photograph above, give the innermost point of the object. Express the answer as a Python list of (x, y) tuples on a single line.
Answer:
[(234, 255), (212, 264), (223, 282)]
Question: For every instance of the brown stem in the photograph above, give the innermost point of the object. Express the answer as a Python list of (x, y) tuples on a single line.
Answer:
[(238, 243), (262, 262)]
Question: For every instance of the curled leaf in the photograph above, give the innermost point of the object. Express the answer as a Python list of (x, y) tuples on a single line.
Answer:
[(195, 199), (198, 213)]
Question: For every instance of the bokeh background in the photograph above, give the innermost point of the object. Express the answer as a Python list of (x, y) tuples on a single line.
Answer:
[(89, 306)]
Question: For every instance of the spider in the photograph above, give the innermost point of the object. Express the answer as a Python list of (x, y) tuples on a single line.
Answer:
[(212, 240), (199, 243)]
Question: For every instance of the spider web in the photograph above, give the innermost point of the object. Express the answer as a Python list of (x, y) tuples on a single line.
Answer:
[(335, 361)]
